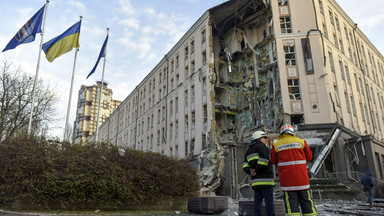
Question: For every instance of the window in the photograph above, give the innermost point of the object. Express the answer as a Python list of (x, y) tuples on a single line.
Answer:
[(290, 56), (362, 112), (176, 104), (177, 79), (337, 23), (193, 120), (321, 7), (331, 62), (176, 129), (335, 41), (192, 46), (285, 25), (172, 84), (177, 61), (347, 73), (204, 57), (204, 86), (172, 66), (203, 36), (331, 18), (186, 123), (342, 70), (186, 72), (171, 107), (294, 89), (346, 33), (325, 30), (361, 86), (186, 52), (186, 98), (158, 116), (192, 93), (347, 103), (356, 82), (205, 114), (337, 98)]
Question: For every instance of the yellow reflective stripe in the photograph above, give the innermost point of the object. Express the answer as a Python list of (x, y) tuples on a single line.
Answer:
[(245, 165), (314, 212), (253, 157), (262, 163), (262, 183), (287, 202)]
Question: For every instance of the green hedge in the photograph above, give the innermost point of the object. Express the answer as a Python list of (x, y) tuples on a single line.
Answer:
[(36, 173)]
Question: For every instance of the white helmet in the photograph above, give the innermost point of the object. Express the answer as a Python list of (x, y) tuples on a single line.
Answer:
[(287, 128), (258, 134)]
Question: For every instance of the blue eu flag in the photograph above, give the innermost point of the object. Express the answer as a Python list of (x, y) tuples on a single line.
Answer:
[(28, 32), (102, 54)]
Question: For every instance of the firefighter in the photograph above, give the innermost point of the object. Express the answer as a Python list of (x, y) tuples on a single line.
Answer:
[(256, 163), (291, 154)]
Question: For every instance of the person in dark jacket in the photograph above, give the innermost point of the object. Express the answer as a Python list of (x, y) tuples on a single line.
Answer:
[(256, 163), (368, 185)]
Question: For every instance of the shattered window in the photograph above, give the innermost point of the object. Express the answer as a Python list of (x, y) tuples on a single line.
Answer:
[(204, 56), (285, 25), (282, 2), (192, 46), (186, 123), (203, 36), (290, 56), (205, 114), (186, 52), (294, 89), (186, 98)]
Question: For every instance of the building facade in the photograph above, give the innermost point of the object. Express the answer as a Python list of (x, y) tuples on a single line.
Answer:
[(257, 64), (87, 109)]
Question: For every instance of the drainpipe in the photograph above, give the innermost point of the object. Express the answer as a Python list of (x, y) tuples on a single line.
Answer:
[(365, 81)]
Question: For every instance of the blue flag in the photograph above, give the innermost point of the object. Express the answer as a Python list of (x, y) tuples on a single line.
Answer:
[(102, 54), (28, 32)]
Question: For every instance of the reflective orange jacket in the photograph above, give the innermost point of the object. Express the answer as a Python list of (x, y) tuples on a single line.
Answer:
[(291, 154)]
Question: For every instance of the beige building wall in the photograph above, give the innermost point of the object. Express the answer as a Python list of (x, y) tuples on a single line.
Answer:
[(176, 108)]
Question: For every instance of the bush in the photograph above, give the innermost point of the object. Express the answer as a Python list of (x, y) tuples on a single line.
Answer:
[(36, 173)]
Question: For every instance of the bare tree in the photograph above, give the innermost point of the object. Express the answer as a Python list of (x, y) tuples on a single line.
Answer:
[(16, 89)]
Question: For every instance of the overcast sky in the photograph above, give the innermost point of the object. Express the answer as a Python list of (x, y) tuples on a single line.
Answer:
[(140, 35)]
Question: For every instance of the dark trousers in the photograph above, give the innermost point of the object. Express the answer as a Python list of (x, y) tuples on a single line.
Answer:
[(267, 195), (294, 200)]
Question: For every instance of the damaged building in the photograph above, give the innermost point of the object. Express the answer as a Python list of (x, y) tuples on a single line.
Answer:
[(256, 64)]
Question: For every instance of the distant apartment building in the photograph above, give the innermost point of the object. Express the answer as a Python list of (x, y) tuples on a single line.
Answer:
[(87, 109), (257, 64)]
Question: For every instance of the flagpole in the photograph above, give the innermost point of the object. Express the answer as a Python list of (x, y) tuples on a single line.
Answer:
[(101, 91), (70, 93), (37, 70)]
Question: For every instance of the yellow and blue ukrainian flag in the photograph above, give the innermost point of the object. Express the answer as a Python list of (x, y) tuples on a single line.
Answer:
[(102, 54), (28, 32), (62, 43)]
